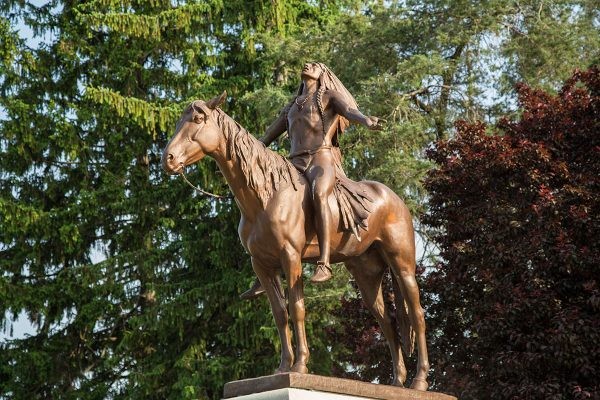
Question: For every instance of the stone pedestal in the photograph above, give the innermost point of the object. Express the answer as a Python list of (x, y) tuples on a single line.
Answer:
[(294, 386)]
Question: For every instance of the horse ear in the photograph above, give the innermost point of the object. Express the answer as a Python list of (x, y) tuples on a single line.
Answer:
[(217, 100)]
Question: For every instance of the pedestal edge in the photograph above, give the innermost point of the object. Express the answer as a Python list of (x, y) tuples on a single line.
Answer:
[(327, 384)]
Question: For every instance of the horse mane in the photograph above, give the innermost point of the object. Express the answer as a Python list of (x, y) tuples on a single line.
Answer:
[(264, 170)]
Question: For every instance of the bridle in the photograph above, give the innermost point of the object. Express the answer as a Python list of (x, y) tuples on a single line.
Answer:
[(201, 191)]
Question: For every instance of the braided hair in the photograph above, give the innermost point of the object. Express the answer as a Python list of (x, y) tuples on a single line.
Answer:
[(320, 106)]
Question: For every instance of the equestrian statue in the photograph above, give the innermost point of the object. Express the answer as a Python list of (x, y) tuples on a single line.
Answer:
[(305, 209)]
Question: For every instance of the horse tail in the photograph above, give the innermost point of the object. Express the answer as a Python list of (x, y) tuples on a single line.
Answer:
[(407, 333)]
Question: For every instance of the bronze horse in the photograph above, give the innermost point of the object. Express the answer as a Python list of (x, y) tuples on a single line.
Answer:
[(277, 229)]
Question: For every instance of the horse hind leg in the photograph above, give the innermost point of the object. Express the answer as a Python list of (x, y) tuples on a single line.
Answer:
[(368, 272), (400, 256)]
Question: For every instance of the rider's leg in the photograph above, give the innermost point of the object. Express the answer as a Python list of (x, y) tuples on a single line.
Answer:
[(321, 176)]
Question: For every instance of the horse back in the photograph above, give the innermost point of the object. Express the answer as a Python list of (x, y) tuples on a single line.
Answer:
[(288, 222)]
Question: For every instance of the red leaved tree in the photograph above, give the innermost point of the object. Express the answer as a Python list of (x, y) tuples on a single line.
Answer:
[(514, 307)]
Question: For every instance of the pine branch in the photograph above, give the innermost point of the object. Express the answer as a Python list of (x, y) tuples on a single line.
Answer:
[(147, 26), (145, 114)]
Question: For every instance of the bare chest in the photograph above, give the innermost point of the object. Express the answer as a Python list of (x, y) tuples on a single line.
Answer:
[(304, 118)]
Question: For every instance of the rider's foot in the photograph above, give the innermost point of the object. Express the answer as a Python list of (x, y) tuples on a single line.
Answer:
[(252, 293), (322, 273)]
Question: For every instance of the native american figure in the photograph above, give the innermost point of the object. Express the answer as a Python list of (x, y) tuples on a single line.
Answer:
[(314, 120)]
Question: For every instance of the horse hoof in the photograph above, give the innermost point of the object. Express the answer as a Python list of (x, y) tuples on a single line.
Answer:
[(282, 369), (300, 368), (419, 384), (397, 383)]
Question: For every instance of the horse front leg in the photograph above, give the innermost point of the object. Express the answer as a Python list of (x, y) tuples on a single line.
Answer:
[(292, 266), (270, 281)]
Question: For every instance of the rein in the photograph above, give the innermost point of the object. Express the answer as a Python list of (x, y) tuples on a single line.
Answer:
[(197, 189)]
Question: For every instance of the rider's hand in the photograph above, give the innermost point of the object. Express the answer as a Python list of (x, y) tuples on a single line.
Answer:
[(374, 123)]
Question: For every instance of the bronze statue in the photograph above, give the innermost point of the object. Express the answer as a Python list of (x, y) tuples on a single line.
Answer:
[(278, 229)]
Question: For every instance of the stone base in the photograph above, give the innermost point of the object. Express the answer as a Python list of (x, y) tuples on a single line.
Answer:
[(295, 386)]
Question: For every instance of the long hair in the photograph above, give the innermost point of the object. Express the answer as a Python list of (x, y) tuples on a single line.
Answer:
[(328, 81)]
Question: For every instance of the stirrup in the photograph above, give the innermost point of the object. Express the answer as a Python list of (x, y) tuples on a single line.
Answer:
[(322, 273), (252, 293)]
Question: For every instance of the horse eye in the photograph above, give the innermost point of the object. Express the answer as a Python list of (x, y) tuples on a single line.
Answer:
[(198, 118)]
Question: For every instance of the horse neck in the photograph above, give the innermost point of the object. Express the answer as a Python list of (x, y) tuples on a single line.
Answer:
[(246, 198)]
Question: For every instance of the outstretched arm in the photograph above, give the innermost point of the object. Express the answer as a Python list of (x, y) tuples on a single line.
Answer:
[(276, 128), (341, 107)]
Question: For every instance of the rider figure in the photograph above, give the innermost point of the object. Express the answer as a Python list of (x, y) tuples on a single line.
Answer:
[(320, 112)]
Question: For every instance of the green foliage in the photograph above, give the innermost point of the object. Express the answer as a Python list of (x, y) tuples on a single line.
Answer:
[(548, 40), (148, 26), (147, 115)]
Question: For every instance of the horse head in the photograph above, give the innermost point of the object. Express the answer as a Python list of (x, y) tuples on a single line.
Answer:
[(196, 134)]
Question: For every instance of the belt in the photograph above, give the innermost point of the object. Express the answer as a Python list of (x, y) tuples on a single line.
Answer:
[(309, 152)]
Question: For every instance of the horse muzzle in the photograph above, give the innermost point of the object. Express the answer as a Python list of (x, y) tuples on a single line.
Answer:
[(171, 163), (174, 165)]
